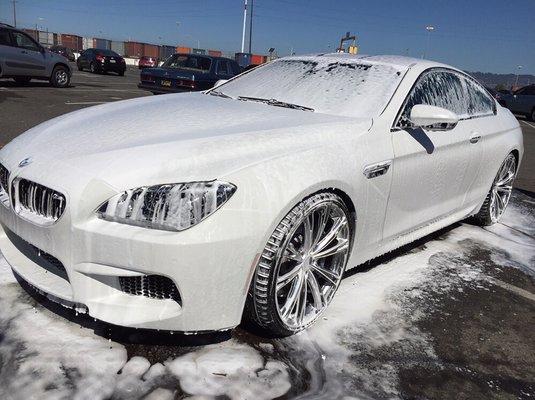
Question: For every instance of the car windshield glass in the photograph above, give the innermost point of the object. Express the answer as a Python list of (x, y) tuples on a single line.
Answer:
[(182, 61), (349, 87), (108, 53)]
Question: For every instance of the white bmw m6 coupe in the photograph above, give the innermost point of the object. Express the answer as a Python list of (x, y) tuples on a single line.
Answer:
[(189, 212)]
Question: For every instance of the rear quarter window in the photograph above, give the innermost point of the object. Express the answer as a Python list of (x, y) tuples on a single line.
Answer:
[(5, 39)]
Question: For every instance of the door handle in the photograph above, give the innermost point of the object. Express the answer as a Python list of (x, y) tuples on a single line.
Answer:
[(24, 52), (377, 169), (475, 138)]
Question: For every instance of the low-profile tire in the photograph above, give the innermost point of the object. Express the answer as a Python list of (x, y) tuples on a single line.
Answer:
[(22, 80), (79, 67), (61, 77), (92, 67), (532, 115), (300, 267), (121, 73), (500, 192)]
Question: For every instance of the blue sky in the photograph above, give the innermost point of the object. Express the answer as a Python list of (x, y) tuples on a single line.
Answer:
[(483, 35)]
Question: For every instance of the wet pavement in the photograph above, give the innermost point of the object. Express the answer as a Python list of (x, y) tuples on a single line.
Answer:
[(450, 316)]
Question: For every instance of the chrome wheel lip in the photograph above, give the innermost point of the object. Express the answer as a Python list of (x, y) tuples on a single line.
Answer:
[(502, 187), (310, 283)]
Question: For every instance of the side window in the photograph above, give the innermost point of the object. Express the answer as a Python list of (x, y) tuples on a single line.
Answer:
[(223, 67), (5, 40), (24, 41), (479, 102), (235, 68), (529, 91), (435, 88)]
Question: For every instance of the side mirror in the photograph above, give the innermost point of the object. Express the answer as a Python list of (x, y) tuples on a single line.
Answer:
[(423, 115), (220, 82)]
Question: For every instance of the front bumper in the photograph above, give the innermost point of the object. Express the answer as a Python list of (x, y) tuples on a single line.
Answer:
[(210, 264)]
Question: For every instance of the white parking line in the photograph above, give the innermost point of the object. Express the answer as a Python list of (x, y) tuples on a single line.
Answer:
[(514, 289), (527, 123), (86, 102)]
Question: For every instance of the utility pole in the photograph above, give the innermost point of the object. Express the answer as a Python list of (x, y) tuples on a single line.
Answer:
[(517, 74), (244, 24), (429, 29), (14, 13), (251, 26)]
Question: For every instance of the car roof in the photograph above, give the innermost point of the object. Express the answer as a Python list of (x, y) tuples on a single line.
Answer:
[(206, 55), (399, 62)]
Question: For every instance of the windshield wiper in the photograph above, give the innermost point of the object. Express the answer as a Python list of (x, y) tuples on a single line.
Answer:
[(276, 103), (219, 94)]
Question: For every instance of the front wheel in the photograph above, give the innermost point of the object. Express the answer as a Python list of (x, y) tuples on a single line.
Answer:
[(60, 77), (301, 266), (498, 197)]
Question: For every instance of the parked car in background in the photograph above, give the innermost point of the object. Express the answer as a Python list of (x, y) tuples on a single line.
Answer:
[(64, 51), (187, 72), (101, 61), (497, 94), (23, 59), (147, 62), (188, 212), (521, 102)]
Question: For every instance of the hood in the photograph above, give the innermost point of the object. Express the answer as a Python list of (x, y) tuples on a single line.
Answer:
[(169, 138)]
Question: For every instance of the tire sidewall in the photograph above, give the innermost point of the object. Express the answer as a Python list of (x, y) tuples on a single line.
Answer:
[(54, 80), (276, 325)]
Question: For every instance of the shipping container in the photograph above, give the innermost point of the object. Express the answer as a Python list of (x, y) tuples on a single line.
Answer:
[(166, 52), (118, 47), (87, 43), (73, 42), (103, 44), (215, 53), (257, 59), (46, 38), (57, 39), (243, 59), (151, 50), (33, 33), (134, 49), (183, 50), (198, 51)]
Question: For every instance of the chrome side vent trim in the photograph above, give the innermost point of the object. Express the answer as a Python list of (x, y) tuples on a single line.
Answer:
[(37, 203), (4, 186)]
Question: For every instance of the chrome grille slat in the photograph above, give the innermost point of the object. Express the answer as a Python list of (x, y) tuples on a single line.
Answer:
[(4, 186), (39, 200)]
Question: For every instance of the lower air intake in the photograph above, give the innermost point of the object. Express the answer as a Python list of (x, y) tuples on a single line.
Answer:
[(151, 286)]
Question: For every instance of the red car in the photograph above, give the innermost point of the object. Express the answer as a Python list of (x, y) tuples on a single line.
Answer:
[(147, 62)]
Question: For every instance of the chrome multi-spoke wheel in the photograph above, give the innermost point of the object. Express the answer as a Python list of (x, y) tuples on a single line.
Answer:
[(302, 265), (500, 193)]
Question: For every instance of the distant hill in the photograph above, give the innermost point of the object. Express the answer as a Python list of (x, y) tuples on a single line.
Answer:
[(507, 80)]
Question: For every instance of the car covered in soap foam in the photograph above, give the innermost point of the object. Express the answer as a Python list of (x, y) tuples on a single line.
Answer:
[(191, 212)]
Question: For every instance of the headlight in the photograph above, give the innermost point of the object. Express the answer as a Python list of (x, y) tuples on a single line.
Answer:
[(174, 207)]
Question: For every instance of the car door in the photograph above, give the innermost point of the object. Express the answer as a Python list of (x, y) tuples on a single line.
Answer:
[(7, 53), (83, 59), (432, 167), (526, 100), (29, 58)]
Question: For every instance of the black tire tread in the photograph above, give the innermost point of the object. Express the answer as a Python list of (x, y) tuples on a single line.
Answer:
[(259, 311)]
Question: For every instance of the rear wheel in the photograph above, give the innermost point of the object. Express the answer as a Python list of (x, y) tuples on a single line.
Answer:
[(121, 73), (499, 194), (60, 77), (92, 67), (301, 266), (22, 80)]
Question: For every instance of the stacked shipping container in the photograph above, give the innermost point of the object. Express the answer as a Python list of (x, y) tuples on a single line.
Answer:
[(103, 44), (118, 47), (166, 52), (134, 49), (73, 42), (182, 49)]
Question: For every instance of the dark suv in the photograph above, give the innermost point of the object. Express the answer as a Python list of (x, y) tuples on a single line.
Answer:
[(23, 59), (101, 61), (522, 101)]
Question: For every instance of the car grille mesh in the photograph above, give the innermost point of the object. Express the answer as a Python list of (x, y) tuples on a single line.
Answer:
[(151, 286), (40, 200), (4, 178)]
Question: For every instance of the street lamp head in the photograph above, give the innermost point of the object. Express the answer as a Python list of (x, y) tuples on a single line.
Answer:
[(430, 28)]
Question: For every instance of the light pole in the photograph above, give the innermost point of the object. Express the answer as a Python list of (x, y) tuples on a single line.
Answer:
[(429, 29), (517, 74), (244, 24)]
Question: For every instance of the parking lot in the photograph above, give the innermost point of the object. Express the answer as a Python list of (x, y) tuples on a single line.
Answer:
[(450, 316)]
